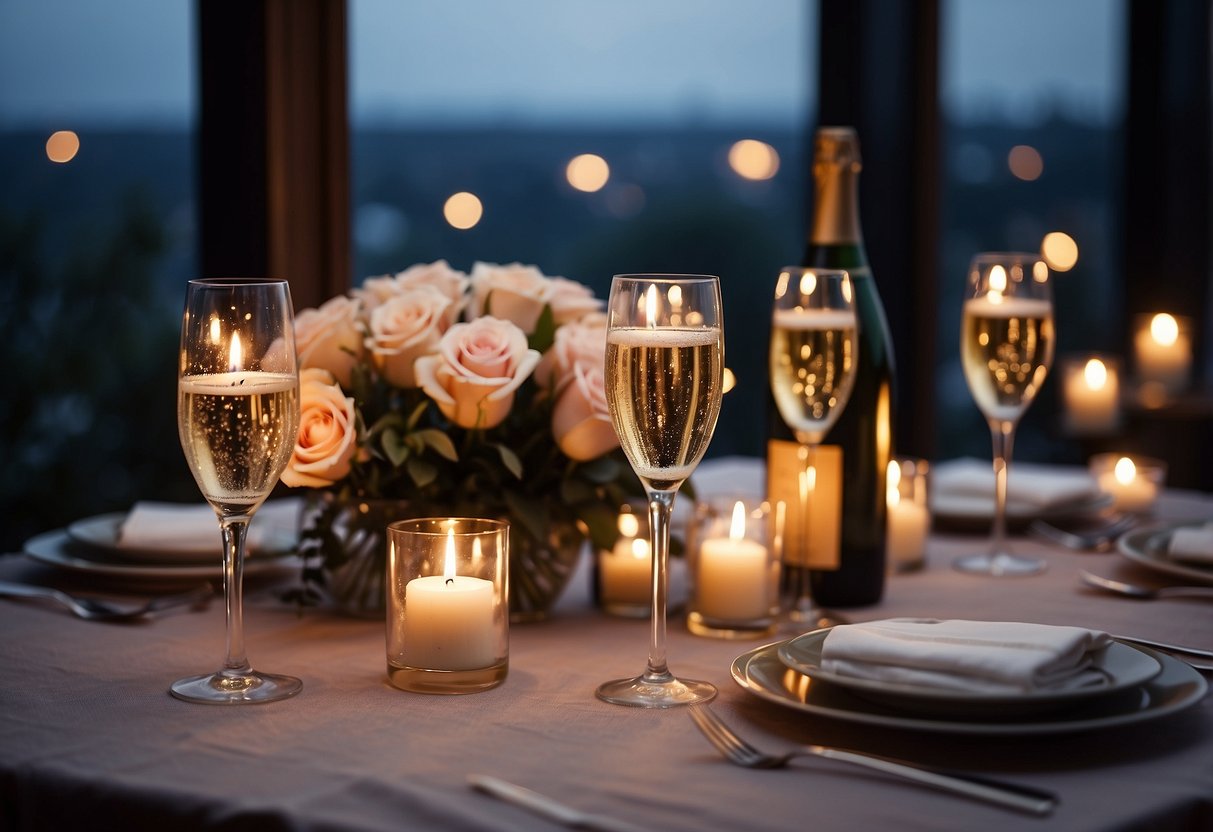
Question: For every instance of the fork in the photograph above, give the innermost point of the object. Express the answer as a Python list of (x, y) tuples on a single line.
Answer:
[(738, 751), (97, 609)]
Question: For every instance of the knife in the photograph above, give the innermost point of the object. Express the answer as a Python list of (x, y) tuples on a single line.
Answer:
[(1168, 648), (547, 807)]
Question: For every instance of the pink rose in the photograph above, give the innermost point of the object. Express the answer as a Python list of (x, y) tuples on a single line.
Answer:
[(404, 328), (439, 274), (581, 342), (571, 300), (327, 436), (518, 292), (581, 422), (328, 338), (478, 367)]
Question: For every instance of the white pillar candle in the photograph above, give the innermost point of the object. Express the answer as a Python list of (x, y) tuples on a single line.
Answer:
[(732, 579), (626, 572), (1092, 397), (1164, 353), (448, 620), (909, 523)]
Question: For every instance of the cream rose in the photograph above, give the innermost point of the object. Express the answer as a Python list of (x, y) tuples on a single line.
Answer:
[(581, 422), (452, 284), (571, 300), (328, 432), (328, 338), (478, 367), (581, 342), (519, 293), (404, 328)]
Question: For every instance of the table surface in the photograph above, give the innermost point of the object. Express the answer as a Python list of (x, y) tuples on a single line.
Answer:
[(89, 736)]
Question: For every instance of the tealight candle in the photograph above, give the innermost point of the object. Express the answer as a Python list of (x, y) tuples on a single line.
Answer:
[(735, 577), (447, 610), (1164, 351), (625, 572), (1091, 390), (1134, 483), (909, 517)]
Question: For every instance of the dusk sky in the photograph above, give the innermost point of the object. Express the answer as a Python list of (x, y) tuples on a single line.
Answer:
[(532, 60)]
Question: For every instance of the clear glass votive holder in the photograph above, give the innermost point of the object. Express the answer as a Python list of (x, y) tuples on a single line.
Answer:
[(448, 612), (625, 572), (1090, 388), (734, 569), (1162, 352), (909, 503), (1133, 481)]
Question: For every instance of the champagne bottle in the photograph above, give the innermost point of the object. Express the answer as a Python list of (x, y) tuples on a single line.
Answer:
[(863, 433)]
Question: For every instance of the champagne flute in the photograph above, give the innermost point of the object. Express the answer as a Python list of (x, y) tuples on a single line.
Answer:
[(813, 359), (665, 366), (237, 415), (1006, 348)]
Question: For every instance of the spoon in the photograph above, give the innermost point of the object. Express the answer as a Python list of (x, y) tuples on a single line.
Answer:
[(1143, 593), (97, 609)]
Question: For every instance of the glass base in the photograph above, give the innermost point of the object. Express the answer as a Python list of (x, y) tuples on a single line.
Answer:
[(424, 680), (656, 691), (1000, 565), (236, 688), (703, 625)]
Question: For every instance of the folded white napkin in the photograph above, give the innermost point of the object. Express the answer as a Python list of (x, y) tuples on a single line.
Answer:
[(194, 528), (1193, 544), (1038, 486), (975, 656)]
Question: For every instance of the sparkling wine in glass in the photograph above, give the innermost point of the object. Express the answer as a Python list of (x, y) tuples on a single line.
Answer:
[(1006, 348), (665, 367), (813, 357), (237, 416)]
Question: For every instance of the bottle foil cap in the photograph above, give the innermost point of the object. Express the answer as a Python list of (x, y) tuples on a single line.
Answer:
[(837, 146)]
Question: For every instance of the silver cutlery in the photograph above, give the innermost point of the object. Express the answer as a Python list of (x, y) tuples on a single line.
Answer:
[(738, 751), (547, 807), (98, 609), (1179, 650), (1099, 536), (1143, 592)]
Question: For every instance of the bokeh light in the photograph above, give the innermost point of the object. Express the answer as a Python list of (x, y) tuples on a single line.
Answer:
[(587, 172), (463, 210), (1025, 162), (1059, 251), (62, 146), (752, 159)]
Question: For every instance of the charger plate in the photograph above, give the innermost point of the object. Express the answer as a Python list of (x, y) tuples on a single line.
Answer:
[(1176, 687), (1147, 546)]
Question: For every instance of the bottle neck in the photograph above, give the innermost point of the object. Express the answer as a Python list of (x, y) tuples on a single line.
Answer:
[(836, 206)]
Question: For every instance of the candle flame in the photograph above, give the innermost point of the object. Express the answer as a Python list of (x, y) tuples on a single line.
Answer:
[(1164, 329), (640, 548), (674, 295), (737, 528), (808, 283), (215, 329), (448, 567), (1096, 374), (998, 279), (235, 355), (629, 524), (1125, 470), (650, 306)]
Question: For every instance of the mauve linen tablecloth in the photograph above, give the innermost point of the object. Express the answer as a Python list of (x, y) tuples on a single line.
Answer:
[(90, 738)]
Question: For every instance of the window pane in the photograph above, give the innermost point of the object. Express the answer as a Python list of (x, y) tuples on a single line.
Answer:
[(96, 237), (1033, 95), (498, 102)]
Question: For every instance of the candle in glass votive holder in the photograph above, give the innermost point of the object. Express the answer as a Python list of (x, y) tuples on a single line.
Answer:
[(1133, 481), (909, 515), (734, 572), (1163, 349), (447, 604), (1091, 392), (625, 573)]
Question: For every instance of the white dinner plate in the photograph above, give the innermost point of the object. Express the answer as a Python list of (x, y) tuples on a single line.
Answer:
[(1123, 667), (58, 548), (103, 532), (1175, 688), (1148, 547)]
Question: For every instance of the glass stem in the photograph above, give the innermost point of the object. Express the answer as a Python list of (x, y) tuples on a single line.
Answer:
[(1003, 434), (235, 530), (661, 506), (805, 608)]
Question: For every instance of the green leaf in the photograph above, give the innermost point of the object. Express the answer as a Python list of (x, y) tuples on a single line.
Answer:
[(530, 514), (394, 446), (415, 416), (422, 472), (545, 330), (385, 422), (602, 523), (440, 442), (601, 471), (510, 460)]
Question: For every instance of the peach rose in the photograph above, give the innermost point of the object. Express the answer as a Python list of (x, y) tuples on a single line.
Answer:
[(581, 342), (439, 274), (327, 436), (478, 367), (328, 338), (581, 422), (519, 293), (571, 300), (404, 328)]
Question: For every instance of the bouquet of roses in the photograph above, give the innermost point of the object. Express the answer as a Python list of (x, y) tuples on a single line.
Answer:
[(462, 395)]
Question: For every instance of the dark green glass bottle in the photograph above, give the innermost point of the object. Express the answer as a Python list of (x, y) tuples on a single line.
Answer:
[(864, 430)]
